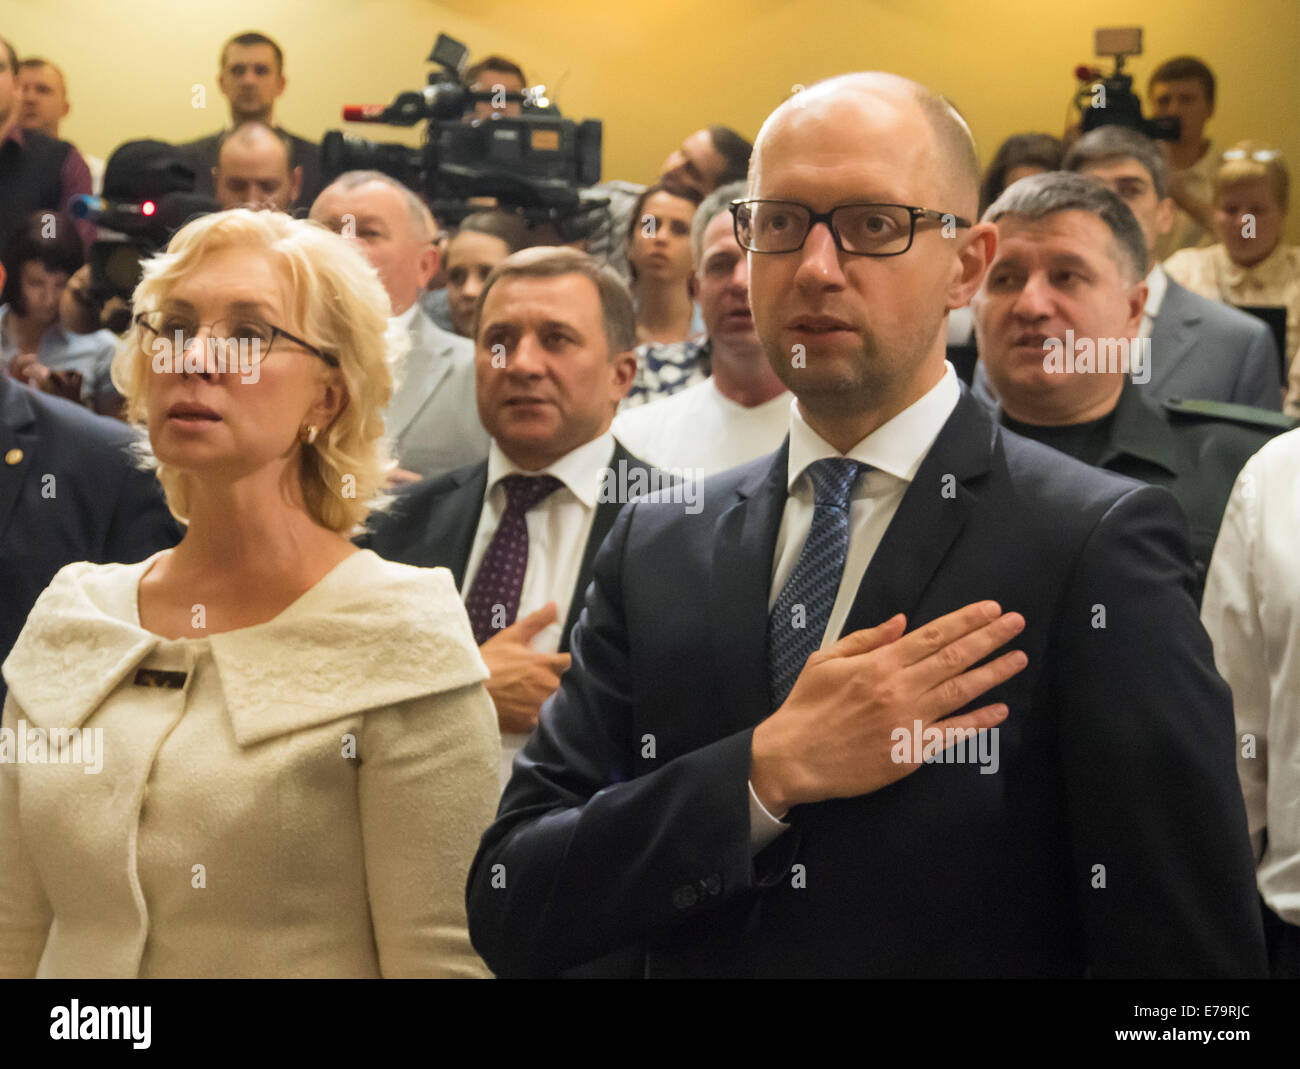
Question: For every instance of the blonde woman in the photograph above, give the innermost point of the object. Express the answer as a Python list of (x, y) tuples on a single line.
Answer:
[(1251, 265), (296, 752)]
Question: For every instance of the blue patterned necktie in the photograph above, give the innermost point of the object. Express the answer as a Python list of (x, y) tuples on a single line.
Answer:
[(798, 620)]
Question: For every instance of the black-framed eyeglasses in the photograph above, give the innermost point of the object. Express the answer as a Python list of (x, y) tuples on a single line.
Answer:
[(245, 334), (775, 226)]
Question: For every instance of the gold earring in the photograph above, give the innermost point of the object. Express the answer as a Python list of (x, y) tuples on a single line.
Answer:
[(310, 437)]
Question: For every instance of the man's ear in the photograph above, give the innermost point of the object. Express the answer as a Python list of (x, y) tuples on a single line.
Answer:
[(974, 256), (1164, 215), (2, 276), (1137, 303), (295, 185), (430, 258), (622, 373)]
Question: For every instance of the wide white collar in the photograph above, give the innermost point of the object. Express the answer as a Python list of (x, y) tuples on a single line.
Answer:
[(370, 634)]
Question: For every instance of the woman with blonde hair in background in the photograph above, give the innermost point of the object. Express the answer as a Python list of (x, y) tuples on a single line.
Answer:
[(294, 754)]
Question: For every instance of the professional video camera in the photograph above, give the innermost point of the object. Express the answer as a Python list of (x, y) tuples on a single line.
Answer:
[(1110, 101), (536, 162), (148, 195)]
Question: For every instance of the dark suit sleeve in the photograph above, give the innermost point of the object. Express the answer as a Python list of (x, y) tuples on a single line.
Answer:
[(139, 525), (584, 859), (1162, 861), (1260, 382)]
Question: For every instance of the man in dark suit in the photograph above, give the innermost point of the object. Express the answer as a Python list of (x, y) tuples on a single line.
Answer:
[(252, 78), (1200, 349), (520, 530), (1083, 402), (697, 788), (69, 491)]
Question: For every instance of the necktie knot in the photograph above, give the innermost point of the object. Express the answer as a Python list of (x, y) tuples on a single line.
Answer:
[(833, 480), (525, 491)]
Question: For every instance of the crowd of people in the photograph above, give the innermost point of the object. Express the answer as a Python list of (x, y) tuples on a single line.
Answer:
[(842, 561)]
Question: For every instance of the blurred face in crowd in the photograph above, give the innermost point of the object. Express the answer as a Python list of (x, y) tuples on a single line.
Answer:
[(251, 80), (722, 286), (216, 425), (851, 334), (470, 259), (379, 217), (661, 243), (697, 165), (8, 88), (253, 172), (1184, 99), (488, 82), (42, 290), (44, 99), (547, 382), (1131, 182), (1249, 220), (1059, 273)]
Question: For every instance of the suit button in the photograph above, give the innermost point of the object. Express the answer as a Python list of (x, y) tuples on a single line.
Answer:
[(711, 886), (685, 897)]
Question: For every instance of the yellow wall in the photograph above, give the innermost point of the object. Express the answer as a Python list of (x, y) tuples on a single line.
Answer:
[(654, 69)]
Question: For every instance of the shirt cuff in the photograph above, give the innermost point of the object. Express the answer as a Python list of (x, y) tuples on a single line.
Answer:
[(763, 827)]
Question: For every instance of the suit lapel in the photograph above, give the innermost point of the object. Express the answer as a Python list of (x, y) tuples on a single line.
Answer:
[(606, 513), (426, 365), (1172, 335), (740, 576), (933, 510), (448, 534), (17, 433)]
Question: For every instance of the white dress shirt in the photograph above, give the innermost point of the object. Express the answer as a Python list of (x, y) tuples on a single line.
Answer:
[(1157, 284), (700, 432), (894, 452), (1252, 613), (558, 529)]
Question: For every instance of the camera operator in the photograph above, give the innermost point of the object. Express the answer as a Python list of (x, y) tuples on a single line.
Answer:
[(1183, 87)]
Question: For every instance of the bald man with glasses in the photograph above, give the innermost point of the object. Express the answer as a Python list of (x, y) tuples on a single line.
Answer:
[(912, 696)]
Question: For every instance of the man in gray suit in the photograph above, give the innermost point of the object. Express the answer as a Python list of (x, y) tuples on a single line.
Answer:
[(1200, 349), (433, 417)]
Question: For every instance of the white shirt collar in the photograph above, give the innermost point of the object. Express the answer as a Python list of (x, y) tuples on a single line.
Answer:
[(1157, 285), (582, 470), (897, 447), (407, 318)]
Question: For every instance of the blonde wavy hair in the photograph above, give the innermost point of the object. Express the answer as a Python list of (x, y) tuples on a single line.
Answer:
[(340, 306)]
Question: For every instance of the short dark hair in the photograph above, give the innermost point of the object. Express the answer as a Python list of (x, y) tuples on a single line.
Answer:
[(616, 307), (60, 251), (247, 40), (493, 63), (735, 150), (1180, 67), (1019, 150), (634, 220), (1041, 195), (681, 192), (11, 55), (500, 224), (1107, 143)]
